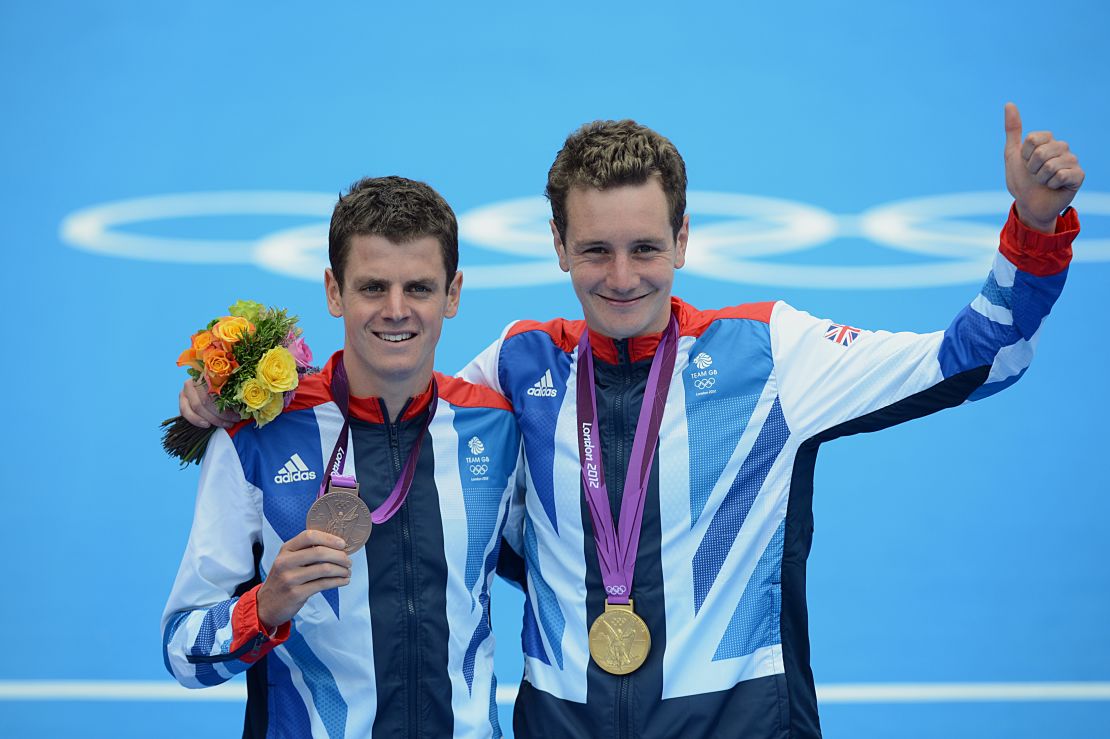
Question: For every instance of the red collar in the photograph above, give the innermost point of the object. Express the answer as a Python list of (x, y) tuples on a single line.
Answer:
[(638, 347), (371, 408)]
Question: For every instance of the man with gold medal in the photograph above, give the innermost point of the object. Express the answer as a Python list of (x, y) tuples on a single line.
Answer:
[(669, 451), (342, 554)]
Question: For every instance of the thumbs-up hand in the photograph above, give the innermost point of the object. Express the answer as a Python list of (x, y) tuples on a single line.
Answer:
[(1041, 173)]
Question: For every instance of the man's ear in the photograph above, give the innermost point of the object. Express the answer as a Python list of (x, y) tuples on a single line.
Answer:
[(560, 248), (680, 241), (333, 293), (454, 293)]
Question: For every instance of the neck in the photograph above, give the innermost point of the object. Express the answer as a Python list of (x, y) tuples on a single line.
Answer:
[(394, 392), (395, 402)]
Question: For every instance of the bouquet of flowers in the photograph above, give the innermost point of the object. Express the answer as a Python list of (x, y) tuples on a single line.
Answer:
[(250, 362)]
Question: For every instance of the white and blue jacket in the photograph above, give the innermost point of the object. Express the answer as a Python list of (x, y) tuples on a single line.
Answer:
[(405, 649), (721, 570)]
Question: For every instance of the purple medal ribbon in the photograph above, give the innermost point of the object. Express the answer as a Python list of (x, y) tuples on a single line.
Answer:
[(341, 393), (617, 545)]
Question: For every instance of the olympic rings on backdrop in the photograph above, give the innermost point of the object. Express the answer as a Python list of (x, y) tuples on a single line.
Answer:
[(737, 234)]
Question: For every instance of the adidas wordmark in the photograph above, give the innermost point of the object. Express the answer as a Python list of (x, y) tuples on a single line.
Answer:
[(294, 470), (544, 387)]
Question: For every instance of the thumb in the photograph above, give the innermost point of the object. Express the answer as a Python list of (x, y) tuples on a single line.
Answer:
[(1013, 128)]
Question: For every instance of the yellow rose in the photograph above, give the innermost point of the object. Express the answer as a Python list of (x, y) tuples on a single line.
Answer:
[(271, 411), (230, 329), (277, 370), (253, 395)]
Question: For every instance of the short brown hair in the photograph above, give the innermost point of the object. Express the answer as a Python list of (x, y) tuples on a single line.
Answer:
[(395, 208), (605, 154)]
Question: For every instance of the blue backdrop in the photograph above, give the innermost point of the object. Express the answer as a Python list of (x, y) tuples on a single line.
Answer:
[(843, 157)]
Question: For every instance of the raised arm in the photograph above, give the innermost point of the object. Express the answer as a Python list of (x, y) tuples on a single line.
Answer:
[(836, 379)]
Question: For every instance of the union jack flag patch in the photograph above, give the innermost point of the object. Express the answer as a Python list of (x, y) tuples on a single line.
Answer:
[(843, 335)]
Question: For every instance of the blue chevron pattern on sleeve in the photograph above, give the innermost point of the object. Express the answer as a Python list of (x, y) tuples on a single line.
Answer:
[(754, 625), (526, 359), (551, 616), (718, 416), (329, 703), (998, 329), (728, 519)]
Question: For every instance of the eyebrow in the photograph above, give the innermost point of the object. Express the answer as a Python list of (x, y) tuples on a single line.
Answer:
[(371, 280), (603, 242)]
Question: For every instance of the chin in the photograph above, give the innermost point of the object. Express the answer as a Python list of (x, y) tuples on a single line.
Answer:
[(618, 328)]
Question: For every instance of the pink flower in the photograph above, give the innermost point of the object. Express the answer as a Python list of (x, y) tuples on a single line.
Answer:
[(300, 351)]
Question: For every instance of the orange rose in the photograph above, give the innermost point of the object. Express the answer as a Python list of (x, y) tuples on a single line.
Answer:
[(188, 358), (231, 329), (218, 366), (202, 340)]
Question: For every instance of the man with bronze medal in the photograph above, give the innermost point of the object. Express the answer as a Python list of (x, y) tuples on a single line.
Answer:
[(368, 614), (669, 451)]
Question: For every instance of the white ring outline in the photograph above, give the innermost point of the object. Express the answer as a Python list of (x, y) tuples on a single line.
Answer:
[(91, 228), (929, 226), (302, 252)]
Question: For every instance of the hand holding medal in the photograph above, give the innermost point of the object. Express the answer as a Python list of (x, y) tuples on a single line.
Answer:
[(309, 563), (338, 509), (619, 639)]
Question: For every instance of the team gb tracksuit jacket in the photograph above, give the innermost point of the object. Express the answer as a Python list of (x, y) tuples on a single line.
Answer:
[(405, 649), (727, 526)]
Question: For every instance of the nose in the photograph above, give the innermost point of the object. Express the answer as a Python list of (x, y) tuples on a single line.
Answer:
[(396, 307), (622, 277)]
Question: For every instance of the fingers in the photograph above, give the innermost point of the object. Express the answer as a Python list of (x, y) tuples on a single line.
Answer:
[(1012, 122), (1032, 141), (305, 581), (184, 404), (326, 583), (312, 538), (284, 591), (311, 556), (307, 564), (199, 409), (1067, 179), (1051, 149), (1052, 162)]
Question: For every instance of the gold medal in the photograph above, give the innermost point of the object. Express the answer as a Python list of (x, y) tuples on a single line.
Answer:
[(341, 512), (619, 640)]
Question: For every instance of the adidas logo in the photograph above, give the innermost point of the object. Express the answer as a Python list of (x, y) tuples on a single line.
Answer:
[(544, 387), (294, 470)]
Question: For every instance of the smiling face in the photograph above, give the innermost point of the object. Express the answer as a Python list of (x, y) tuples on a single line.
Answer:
[(393, 300), (621, 253)]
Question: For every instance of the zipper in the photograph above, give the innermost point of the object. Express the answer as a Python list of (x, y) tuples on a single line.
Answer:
[(412, 661), (623, 729)]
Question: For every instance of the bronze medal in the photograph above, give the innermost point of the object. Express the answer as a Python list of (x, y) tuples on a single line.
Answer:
[(619, 640), (344, 514)]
